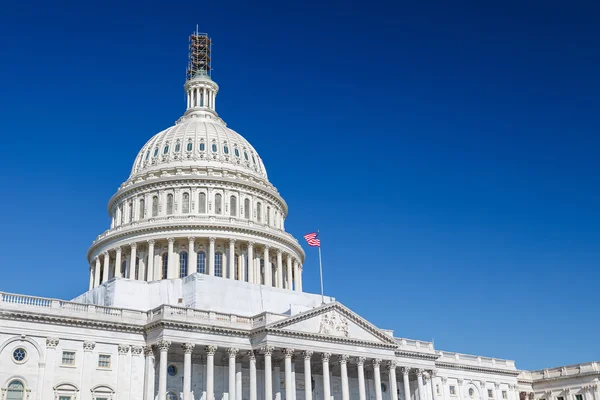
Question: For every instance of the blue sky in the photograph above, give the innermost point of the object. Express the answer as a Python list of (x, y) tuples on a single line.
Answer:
[(447, 151)]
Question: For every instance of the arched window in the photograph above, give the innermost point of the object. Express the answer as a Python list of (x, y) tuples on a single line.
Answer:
[(225, 149), (233, 206), (246, 268), (214, 147), (190, 146), (156, 152), (169, 204), (165, 265), (201, 146), (142, 209), (202, 203), (219, 264), (218, 204), (185, 203), (172, 396), (177, 147), (262, 271), (258, 213), (268, 215), (130, 206), (15, 391), (183, 264), (137, 268), (201, 262), (247, 208), (154, 206), (237, 152), (147, 155), (123, 268), (101, 274), (166, 149), (122, 214)]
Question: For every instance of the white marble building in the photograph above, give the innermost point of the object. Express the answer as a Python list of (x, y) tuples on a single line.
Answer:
[(195, 292)]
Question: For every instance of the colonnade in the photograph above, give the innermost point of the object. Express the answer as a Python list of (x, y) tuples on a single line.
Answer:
[(246, 261), (201, 96)]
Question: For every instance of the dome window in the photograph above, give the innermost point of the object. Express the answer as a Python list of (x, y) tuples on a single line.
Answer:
[(177, 148), (156, 152), (214, 147), (246, 156), (237, 152), (225, 149), (166, 149), (147, 155), (202, 146), (189, 146), (253, 159)]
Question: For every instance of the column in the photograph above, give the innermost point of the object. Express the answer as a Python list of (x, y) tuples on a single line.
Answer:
[(238, 378), (163, 347), (344, 372), (187, 369), (392, 379), (192, 256), (252, 359), (118, 263), (296, 285), (240, 266), (268, 273), (268, 351), (171, 259), (289, 394), (444, 387), (277, 379), (50, 369), (484, 393), (132, 260), (214, 97), (326, 385), (595, 389), (149, 374), (420, 382), (498, 391), (251, 262), (377, 378), (288, 284), (211, 256), (106, 266), (231, 259), (432, 383), (210, 372), (405, 372), (88, 366), (97, 272), (232, 351), (362, 394), (188, 100), (460, 388), (307, 375), (151, 274), (122, 368), (91, 285), (279, 270), (197, 102), (293, 377), (299, 278)]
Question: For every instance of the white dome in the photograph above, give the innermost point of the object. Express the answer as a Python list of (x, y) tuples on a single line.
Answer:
[(198, 143)]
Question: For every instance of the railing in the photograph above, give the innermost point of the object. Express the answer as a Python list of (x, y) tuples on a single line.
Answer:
[(25, 300), (468, 359)]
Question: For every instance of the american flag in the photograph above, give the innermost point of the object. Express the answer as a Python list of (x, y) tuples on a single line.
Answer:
[(312, 239)]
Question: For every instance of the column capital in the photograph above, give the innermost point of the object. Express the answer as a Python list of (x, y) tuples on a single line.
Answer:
[(267, 350), (460, 381), (376, 362), (52, 342), (123, 349), (105, 253), (171, 240), (288, 353), (136, 350), (119, 249), (232, 242), (343, 358), (212, 239), (210, 350), (405, 370), (420, 372), (232, 351), (391, 365), (360, 360), (266, 247), (191, 238), (251, 244), (307, 354), (163, 345), (251, 355), (433, 373), (279, 252), (444, 379), (325, 357), (133, 245), (148, 351), (482, 383), (187, 348), (89, 345), (150, 242), (496, 385)]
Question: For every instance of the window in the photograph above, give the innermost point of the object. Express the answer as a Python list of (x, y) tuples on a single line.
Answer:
[(383, 387), (190, 146), (68, 358), (218, 204), (253, 159), (130, 206), (142, 209), (560, 398), (225, 149), (156, 152), (202, 203), (137, 268), (169, 204), (471, 392), (247, 208), (123, 267), (172, 370), (246, 269), (183, 264), (214, 147), (237, 268), (201, 262), (490, 394), (505, 395), (121, 214), (185, 203), (219, 264), (268, 215), (262, 271), (20, 355), (578, 397), (237, 152), (65, 397), (437, 389), (273, 274), (154, 206), (452, 390), (102, 392), (165, 265), (172, 396), (103, 360), (15, 390), (177, 147), (201, 146), (233, 206), (166, 149), (246, 156), (258, 216), (101, 273), (147, 155)]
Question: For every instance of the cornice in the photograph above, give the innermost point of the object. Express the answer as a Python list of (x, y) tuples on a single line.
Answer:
[(417, 355), (473, 368), (559, 378), (324, 338)]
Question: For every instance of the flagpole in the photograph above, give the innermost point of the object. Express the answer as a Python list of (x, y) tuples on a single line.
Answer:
[(321, 272)]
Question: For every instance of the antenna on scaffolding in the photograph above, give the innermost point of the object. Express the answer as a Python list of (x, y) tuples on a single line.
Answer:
[(199, 55)]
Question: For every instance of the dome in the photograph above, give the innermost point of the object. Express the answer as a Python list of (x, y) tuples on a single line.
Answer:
[(198, 143)]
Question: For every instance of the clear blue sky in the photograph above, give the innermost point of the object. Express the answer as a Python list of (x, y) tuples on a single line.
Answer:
[(447, 151)]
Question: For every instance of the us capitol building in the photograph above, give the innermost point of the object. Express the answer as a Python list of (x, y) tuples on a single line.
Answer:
[(195, 293)]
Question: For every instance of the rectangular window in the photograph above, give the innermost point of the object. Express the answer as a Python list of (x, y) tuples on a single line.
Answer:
[(560, 398), (64, 398), (103, 361), (490, 394), (578, 397), (68, 358), (452, 390), (437, 389), (504, 395)]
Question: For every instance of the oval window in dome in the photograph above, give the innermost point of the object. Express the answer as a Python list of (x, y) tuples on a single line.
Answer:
[(237, 152), (214, 147), (177, 148), (202, 146), (156, 152), (246, 156), (225, 149), (166, 149), (189, 146)]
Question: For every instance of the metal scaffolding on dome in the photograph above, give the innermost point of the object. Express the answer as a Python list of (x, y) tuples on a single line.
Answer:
[(199, 55)]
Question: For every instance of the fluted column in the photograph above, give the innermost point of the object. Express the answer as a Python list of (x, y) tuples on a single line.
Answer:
[(360, 362), (279, 270), (149, 374), (307, 375), (344, 373), (432, 376), (498, 391), (299, 278), (163, 347), (211, 256), (187, 369), (238, 378), (232, 351), (268, 351), (132, 260), (151, 273), (445, 384), (97, 272), (106, 266), (276, 379), (377, 378), (210, 372), (326, 385), (296, 275), (392, 379), (118, 263), (293, 377), (460, 388), (405, 372), (91, 285), (420, 383), (252, 358), (231, 259), (251, 274), (192, 256), (268, 273), (288, 374), (288, 283)]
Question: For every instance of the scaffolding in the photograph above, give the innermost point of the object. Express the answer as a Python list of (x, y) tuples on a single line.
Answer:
[(199, 55)]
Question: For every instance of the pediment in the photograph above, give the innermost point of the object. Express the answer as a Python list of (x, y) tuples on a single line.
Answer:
[(333, 321)]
